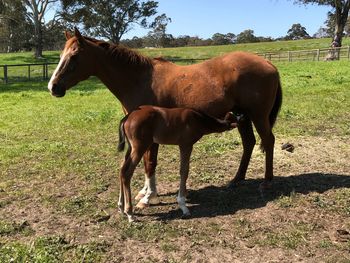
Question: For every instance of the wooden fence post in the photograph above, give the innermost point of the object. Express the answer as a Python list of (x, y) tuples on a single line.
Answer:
[(5, 74), (28, 72), (43, 71), (318, 54)]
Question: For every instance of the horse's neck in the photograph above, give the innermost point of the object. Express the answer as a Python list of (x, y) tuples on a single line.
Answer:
[(127, 83)]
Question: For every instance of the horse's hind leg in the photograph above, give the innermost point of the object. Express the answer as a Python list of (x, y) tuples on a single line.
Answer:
[(148, 194), (245, 129), (264, 130)]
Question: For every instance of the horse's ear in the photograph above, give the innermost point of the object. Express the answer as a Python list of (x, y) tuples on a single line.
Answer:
[(79, 37), (67, 34)]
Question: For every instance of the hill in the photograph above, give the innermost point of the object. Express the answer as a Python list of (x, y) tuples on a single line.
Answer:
[(189, 52)]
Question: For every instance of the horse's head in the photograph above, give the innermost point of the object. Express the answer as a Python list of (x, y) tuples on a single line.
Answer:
[(75, 65)]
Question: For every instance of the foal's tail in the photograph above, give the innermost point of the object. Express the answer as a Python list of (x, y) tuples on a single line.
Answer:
[(122, 137), (277, 105)]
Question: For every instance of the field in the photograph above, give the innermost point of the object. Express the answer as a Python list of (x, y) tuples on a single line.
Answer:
[(59, 188)]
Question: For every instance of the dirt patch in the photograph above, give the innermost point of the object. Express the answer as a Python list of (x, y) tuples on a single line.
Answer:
[(303, 217)]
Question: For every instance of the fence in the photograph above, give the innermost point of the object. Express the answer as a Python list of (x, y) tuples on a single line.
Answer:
[(309, 55), (32, 71), (42, 71)]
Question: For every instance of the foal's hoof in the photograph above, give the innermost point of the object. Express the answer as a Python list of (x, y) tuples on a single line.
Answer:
[(139, 196), (131, 218), (186, 216), (142, 205)]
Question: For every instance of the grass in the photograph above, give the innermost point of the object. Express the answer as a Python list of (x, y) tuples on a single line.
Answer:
[(59, 187), (188, 52)]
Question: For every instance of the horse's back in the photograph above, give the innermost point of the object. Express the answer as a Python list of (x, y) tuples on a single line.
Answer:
[(237, 80)]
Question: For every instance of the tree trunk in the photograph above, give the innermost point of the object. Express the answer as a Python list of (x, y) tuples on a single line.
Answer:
[(38, 40), (341, 16)]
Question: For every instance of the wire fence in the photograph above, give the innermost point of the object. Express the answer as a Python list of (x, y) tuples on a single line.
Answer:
[(42, 71)]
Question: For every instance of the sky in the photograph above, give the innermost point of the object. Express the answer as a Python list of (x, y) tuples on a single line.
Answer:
[(268, 18)]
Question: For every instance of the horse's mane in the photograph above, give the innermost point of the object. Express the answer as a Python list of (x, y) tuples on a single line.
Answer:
[(122, 54)]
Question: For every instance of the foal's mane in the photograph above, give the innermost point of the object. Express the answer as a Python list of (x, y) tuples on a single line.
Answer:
[(121, 54)]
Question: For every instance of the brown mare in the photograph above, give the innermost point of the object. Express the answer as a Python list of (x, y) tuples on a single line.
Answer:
[(176, 126), (238, 81)]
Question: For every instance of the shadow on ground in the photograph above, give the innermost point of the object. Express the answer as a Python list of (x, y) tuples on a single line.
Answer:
[(214, 201)]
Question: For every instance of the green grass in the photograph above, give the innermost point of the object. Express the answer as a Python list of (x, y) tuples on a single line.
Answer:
[(189, 52)]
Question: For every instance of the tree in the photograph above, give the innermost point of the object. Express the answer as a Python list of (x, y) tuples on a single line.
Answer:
[(36, 12), (158, 34), (223, 39), (297, 31), (330, 24), (15, 29), (109, 19), (247, 36), (340, 9)]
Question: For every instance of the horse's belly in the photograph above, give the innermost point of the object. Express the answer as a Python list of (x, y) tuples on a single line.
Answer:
[(166, 140)]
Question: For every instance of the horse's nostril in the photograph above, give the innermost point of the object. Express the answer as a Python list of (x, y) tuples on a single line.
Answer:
[(57, 90)]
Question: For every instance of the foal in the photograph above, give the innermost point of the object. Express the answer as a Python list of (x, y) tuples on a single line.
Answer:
[(176, 126)]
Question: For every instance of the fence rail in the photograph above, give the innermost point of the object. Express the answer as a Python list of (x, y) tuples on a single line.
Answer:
[(44, 70), (32, 70), (309, 55)]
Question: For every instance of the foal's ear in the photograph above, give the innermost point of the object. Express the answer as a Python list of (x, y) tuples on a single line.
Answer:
[(79, 37), (67, 34)]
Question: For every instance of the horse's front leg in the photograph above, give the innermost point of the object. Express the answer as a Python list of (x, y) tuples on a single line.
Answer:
[(148, 195), (185, 155)]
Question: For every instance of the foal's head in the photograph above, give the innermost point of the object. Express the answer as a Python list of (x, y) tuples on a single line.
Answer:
[(76, 64)]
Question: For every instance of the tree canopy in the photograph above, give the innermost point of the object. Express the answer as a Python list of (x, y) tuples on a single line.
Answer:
[(297, 31), (340, 10), (109, 19)]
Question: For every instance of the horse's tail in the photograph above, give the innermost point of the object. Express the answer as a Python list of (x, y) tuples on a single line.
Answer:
[(277, 105), (122, 137)]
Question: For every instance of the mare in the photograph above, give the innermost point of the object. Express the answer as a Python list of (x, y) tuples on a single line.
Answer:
[(176, 126), (240, 82)]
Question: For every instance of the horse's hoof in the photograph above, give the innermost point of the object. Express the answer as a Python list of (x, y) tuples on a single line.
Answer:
[(266, 185), (139, 196), (142, 205), (234, 183)]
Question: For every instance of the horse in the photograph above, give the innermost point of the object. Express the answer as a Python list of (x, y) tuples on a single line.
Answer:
[(240, 82), (176, 126)]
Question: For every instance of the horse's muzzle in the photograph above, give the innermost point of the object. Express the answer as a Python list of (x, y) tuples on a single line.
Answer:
[(58, 91)]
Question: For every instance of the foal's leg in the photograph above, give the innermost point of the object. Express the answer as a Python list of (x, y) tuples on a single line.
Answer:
[(121, 190), (185, 155), (148, 194), (245, 129), (126, 173)]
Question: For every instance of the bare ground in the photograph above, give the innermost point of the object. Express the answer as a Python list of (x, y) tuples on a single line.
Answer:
[(304, 217)]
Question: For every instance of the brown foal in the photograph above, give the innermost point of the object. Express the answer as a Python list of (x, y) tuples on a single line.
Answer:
[(176, 126)]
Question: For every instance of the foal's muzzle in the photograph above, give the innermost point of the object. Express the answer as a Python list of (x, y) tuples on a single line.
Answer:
[(58, 91)]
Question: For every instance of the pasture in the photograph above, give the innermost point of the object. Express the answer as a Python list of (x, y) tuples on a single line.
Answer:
[(59, 189)]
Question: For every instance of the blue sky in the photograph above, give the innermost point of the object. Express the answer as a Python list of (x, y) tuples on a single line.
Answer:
[(204, 18)]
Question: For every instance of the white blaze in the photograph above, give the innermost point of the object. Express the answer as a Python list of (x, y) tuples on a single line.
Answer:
[(62, 59)]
